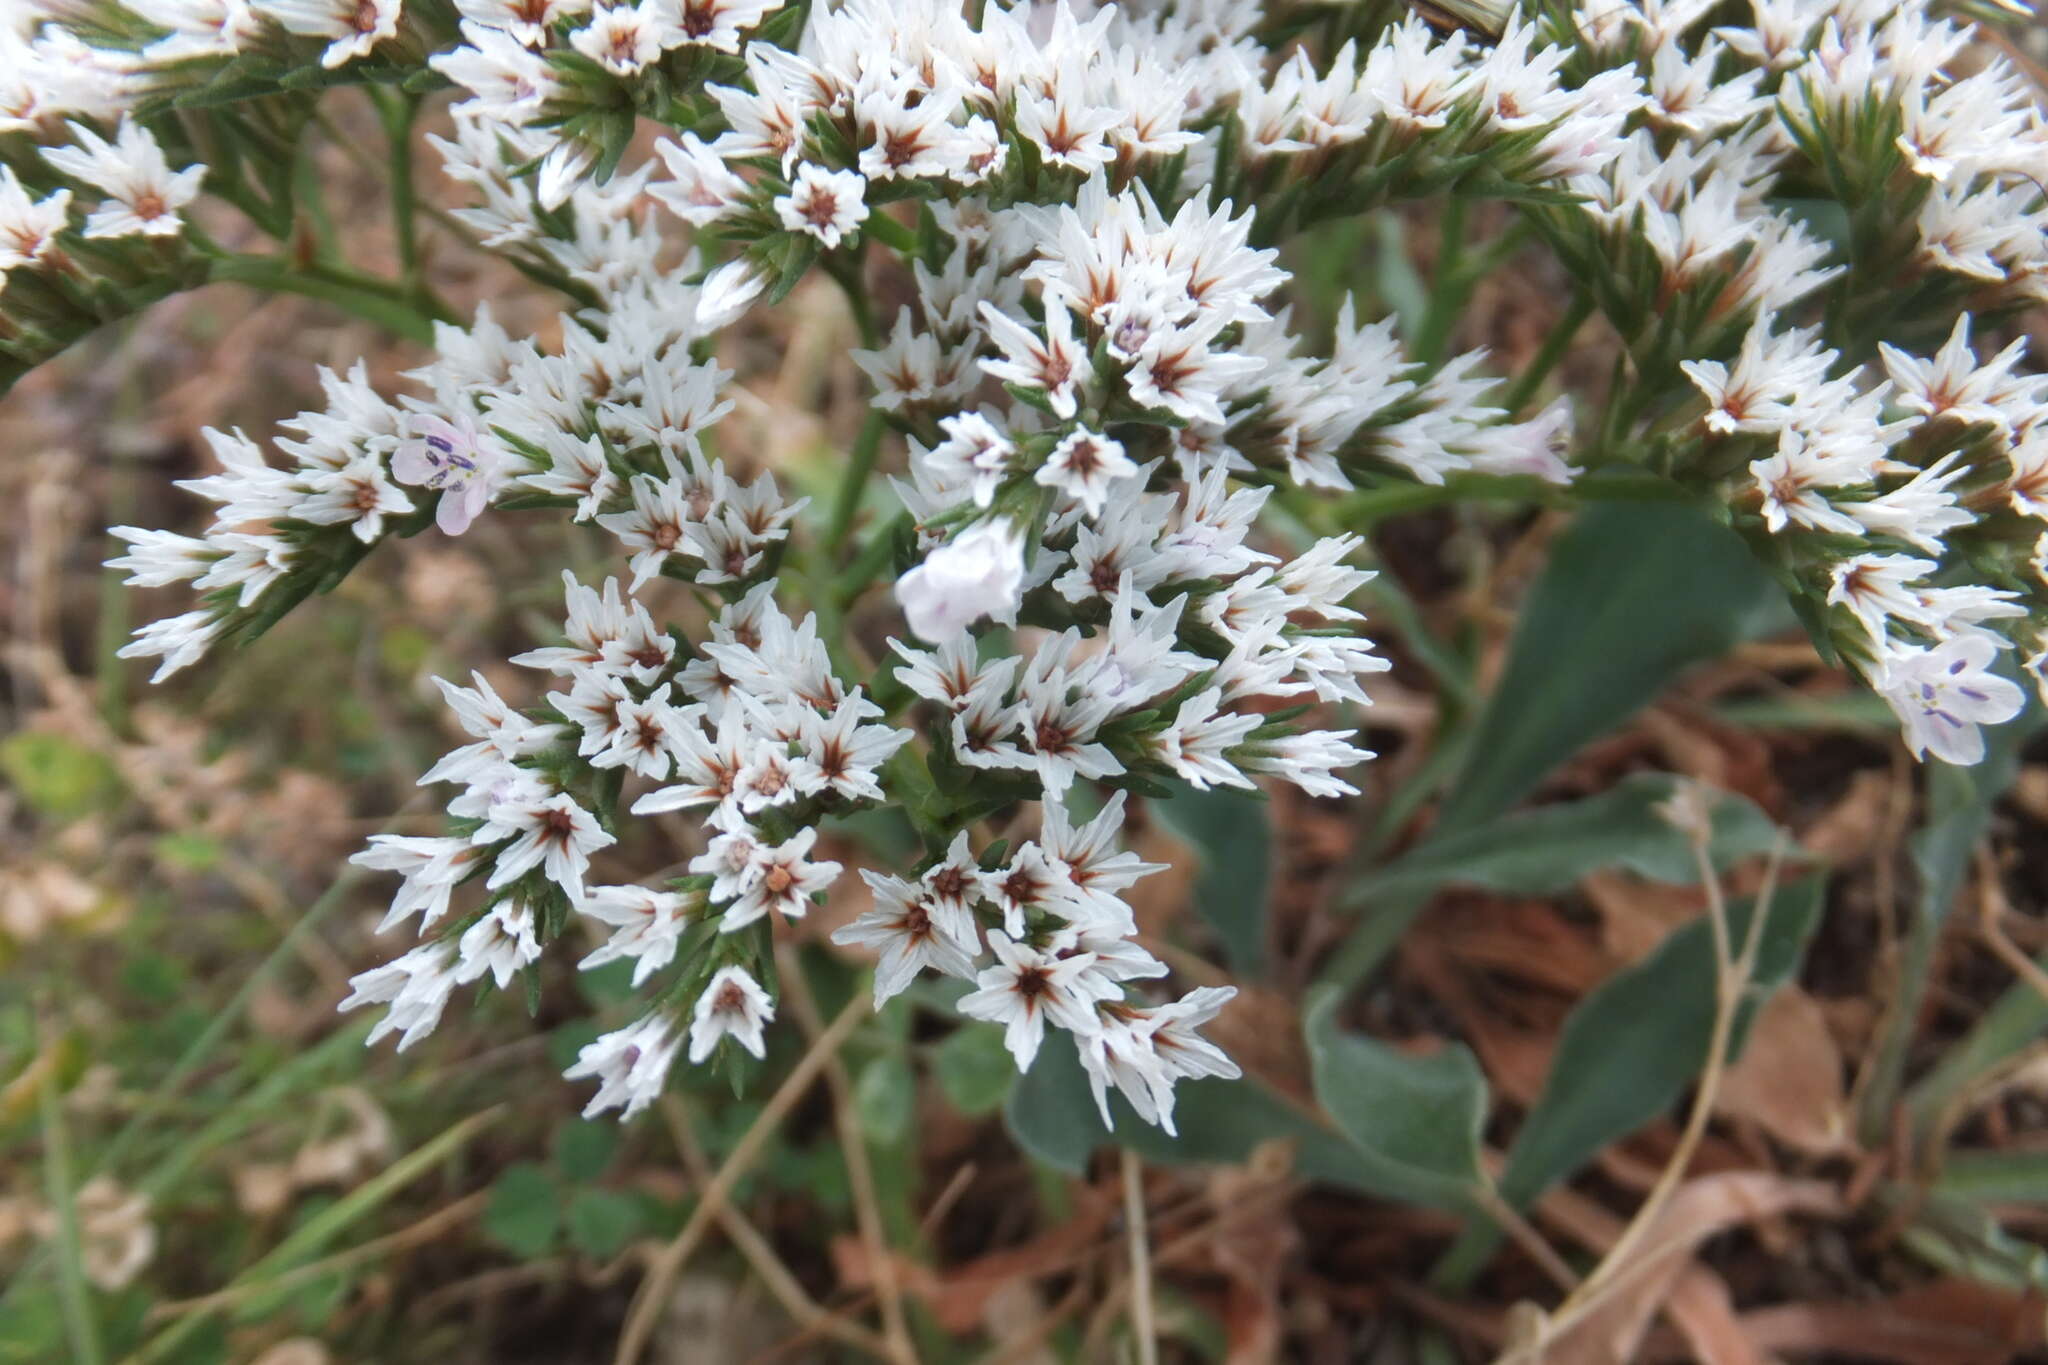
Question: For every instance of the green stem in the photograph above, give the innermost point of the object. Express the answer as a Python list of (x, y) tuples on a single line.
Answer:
[(1554, 346), (380, 301), (847, 272), (1453, 285), (396, 110), (873, 558), (855, 481)]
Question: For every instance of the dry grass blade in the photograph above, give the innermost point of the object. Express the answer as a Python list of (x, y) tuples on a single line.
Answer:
[(647, 1304)]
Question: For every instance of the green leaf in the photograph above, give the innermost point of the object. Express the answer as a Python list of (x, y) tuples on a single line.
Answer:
[(524, 1214), (1232, 835), (59, 778), (1959, 1237), (2018, 1176), (32, 1328), (188, 850), (1959, 803), (1629, 1049), (1551, 848), (1634, 593), (1635, 1042), (1418, 1117), (603, 1221), (583, 1148), (974, 1070), (1052, 1115), (885, 1097)]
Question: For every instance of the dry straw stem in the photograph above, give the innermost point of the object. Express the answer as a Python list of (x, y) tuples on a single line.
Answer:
[(1143, 1329), (1733, 969), (809, 1314), (648, 1301), (860, 1173), (1993, 906)]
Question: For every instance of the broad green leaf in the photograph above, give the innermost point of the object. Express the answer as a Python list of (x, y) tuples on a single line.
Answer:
[(1629, 1050), (1052, 1115), (584, 1148), (1232, 835), (1634, 592), (603, 1221), (885, 1097), (1415, 1119), (1550, 848), (974, 1070), (1636, 1041), (524, 1213)]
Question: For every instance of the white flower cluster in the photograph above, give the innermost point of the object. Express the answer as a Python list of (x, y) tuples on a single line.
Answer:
[(1877, 490), (1105, 397)]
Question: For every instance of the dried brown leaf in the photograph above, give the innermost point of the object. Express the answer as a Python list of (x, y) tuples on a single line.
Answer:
[(1789, 1079)]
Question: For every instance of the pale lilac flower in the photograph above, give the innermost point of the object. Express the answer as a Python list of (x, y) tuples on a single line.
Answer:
[(978, 573)]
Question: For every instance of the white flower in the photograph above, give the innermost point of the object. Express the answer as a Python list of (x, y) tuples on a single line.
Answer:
[(1026, 987), (842, 756), (732, 1005), (912, 929), (432, 868), (646, 926), (978, 573), (780, 878), (1197, 744), (728, 292), (714, 23), (623, 39), (28, 226), (416, 987), (550, 832), (1119, 1052), (580, 471), (356, 26), (953, 883), (1942, 694), (826, 204), (178, 640), (631, 1065), (1030, 879), (1095, 868), (500, 943), (147, 193), (975, 454), (1055, 365), (1952, 384), (357, 495), (701, 189), (526, 20), (1310, 760), (198, 28), (1084, 466)]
